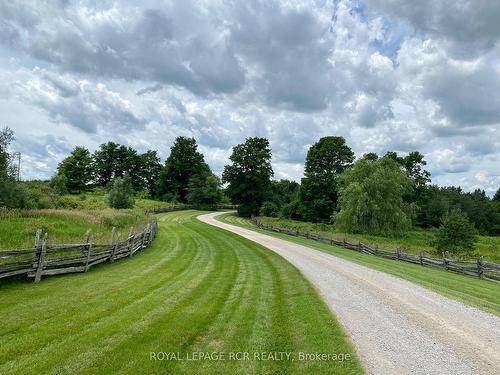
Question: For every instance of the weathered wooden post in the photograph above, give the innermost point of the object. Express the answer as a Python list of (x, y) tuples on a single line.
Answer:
[(480, 267), (41, 258), (88, 248), (131, 238), (446, 263), (421, 258), (360, 246), (307, 235), (112, 245), (398, 252), (376, 249), (150, 234), (143, 237), (38, 246), (345, 242)]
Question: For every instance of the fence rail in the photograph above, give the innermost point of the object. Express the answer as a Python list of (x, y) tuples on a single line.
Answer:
[(46, 259), (479, 268)]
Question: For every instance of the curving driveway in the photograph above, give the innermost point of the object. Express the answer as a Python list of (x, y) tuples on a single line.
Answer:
[(397, 327)]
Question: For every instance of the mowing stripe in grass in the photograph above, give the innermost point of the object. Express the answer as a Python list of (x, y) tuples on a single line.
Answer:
[(197, 288)]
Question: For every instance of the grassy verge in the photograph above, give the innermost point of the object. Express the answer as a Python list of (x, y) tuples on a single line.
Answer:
[(198, 288), (18, 227), (475, 292), (414, 242)]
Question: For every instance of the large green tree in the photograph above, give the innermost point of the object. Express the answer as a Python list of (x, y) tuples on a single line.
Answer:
[(184, 162), (204, 191), (325, 161), (414, 165), (112, 160), (149, 168), (372, 199), (249, 175), (104, 163), (77, 168)]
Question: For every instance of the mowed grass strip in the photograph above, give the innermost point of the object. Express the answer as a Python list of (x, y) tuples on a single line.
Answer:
[(483, 294), (197, 289)]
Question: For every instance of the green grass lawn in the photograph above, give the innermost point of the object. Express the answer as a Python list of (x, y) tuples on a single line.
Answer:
[(475, 292), (18, 227), (198, 288), (414, 242)]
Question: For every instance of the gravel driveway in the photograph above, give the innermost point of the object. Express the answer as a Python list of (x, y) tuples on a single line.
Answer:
[(396, 326)]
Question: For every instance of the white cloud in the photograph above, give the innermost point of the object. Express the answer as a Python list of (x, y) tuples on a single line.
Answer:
[(420, 77)]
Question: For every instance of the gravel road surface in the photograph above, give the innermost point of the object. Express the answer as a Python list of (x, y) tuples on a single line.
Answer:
[(396, 326)]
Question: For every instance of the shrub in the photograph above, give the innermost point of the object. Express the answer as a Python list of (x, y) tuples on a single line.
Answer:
[(121, 194), (456, 234), (58, 184), (269, 209)]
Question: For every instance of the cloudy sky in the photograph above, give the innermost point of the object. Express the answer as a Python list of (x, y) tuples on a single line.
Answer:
[(385, 74)]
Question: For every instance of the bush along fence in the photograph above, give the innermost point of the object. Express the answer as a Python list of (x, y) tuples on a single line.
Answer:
[(50, 259), (480, 268)]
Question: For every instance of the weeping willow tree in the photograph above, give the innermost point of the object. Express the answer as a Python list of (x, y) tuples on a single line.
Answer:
[(371, 199)]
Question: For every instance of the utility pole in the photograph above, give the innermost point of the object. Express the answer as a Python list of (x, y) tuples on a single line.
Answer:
[(18, 156)]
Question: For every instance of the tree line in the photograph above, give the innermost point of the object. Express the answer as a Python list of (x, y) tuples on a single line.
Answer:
[(185, 177), (382, 195)]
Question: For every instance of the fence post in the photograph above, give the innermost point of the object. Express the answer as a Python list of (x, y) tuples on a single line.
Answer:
[(41, 258), (398, 252), (307, 235), (445, 264), (421, 258), (360, 246), (331, 241), (88, 246), (143, 236), (344, 244), (38, 245), (480, 267), (112, 245), (376, 249), (131, 238), (150, 234), (152, 231)]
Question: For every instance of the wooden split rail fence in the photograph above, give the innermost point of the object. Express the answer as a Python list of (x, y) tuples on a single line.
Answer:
[(479, 268), (51, 259)]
